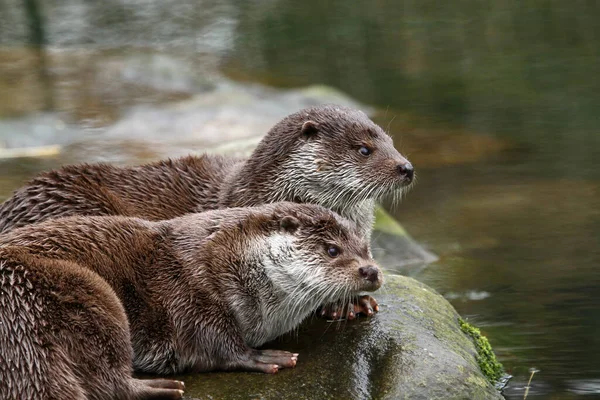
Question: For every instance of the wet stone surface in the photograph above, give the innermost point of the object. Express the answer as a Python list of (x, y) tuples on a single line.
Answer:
[(412, 349)]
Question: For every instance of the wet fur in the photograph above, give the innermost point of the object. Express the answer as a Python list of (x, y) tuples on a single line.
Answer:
[(308, 157), (202, 290), (63, 334)]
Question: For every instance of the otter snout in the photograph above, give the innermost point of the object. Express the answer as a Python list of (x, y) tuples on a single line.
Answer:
[(369, 272), (406, 170), (371, 276)]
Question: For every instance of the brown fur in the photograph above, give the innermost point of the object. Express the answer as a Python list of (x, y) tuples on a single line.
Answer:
[(64, 334), (201, 290)]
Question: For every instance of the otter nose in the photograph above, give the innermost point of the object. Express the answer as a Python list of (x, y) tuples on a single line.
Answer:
[(369, 272), (407, 170)]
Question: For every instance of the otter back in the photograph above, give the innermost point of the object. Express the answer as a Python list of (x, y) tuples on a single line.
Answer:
[(156, 191)]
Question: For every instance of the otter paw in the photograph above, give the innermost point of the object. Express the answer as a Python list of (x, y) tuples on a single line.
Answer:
[(336, 311), (284, 359), (166, 389), (366, 305), (267, 361), (164, 384)]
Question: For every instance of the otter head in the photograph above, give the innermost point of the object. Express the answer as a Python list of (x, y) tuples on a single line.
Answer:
[(329, 155), (321, 254)]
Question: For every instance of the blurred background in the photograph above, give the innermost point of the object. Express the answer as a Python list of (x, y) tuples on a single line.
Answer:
[(496, 103)]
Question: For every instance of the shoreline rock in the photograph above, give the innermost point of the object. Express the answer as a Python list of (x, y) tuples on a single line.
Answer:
[(413, 349)]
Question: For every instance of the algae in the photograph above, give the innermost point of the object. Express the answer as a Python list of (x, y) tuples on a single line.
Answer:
[(384, 222), (491, 368)]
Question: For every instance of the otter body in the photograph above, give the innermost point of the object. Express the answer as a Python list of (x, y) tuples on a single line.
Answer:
[(158, 191), (64, 335), (202, 290), (327, 155)]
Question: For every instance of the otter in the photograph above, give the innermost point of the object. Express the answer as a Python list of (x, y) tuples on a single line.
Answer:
[(202, 291), (64, 335), (328, 155)]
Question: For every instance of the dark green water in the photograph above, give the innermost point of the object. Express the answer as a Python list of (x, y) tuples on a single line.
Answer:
[(518, 230), (496, 103)]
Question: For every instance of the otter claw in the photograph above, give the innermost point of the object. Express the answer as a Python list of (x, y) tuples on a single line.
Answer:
[(365, 305), (274, 358)]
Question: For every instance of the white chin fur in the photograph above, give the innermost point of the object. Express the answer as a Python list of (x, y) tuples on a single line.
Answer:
[(297, 287)]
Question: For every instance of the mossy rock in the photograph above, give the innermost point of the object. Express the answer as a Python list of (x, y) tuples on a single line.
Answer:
[(393, 247), (385, 223), (413, 349), (486, 358)]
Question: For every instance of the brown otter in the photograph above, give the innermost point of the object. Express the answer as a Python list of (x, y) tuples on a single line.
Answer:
[(202, 290), (64, 335), (328, 155)]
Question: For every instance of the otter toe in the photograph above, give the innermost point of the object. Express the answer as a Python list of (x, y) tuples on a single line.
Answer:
[(334, 311), (165, 384), (160, 394), (366, 305), (282, 358)]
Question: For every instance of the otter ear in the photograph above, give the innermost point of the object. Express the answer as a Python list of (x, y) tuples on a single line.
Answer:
[(289, 224), (309, 128)]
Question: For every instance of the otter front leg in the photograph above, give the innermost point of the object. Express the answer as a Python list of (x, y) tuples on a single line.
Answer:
[(158, 389), (365, 304), (231, 353)]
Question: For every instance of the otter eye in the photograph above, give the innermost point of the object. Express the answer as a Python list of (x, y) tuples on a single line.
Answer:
[(365, 151), (333, 251)]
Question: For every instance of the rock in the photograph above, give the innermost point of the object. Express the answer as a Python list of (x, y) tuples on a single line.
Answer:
[(393, 247), (36, 130), (413, 349), (38, 151), (231, 117)]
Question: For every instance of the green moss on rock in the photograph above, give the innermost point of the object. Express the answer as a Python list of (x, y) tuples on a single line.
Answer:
[(384, 222), (490, 366)]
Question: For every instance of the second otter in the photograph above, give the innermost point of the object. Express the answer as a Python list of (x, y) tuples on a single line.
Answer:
[(203, 290)]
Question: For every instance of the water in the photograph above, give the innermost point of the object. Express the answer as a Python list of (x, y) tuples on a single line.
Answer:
[(496, 103)]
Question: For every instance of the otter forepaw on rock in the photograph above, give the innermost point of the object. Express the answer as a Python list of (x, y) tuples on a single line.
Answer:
[(284, 359), (164, 384), (267, 361), (161, 394), (159, 389), (336, 311), (366, 305)]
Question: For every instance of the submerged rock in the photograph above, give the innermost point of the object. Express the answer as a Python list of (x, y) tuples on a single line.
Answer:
[(394, 248), (413, 349)]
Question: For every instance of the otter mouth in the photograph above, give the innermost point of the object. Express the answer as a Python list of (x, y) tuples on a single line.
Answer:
[(367, 286), (397, 190), (404, 182)]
